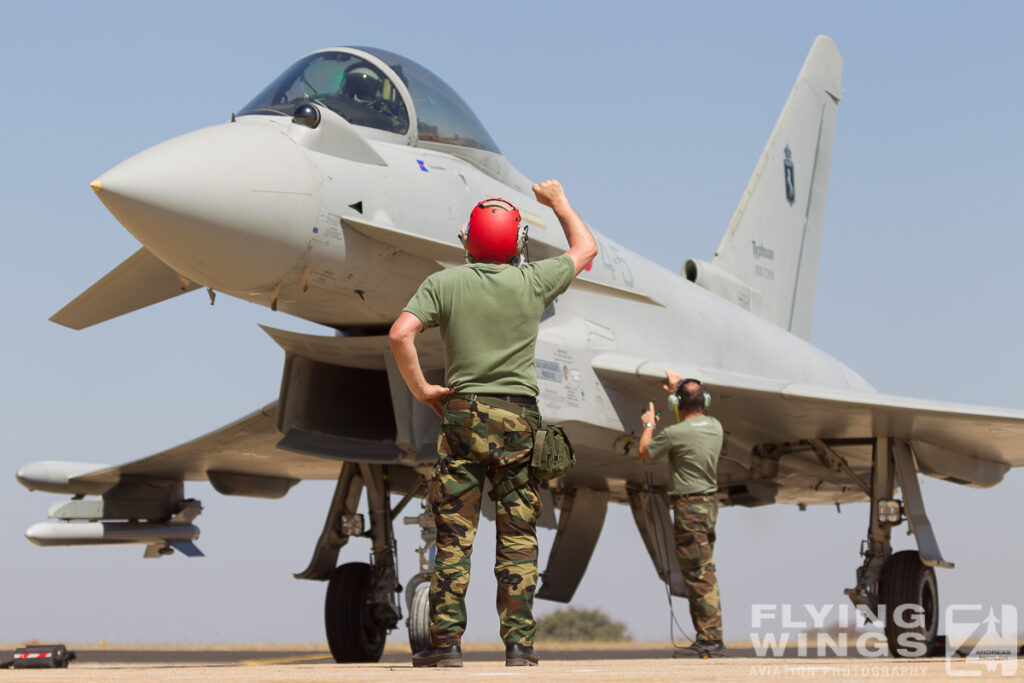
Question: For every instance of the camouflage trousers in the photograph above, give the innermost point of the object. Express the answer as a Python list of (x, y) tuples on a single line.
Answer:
[(477, 441), (695, 518)]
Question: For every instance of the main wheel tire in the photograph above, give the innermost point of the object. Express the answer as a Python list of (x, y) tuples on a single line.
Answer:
[(352, 633), (419, 617), (905, 580)]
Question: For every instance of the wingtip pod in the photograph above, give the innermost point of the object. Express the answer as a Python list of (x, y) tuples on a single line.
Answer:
[(58, 476)]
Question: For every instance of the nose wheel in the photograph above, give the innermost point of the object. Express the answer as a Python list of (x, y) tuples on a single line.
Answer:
[(419, 618), (417, 591)]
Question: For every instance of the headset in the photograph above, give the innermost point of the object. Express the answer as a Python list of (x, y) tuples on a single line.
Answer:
[(673, 398)]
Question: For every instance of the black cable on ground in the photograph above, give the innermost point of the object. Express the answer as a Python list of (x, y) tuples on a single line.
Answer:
[(664, 560), (662, 552)]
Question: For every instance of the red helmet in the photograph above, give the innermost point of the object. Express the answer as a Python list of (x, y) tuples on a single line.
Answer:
[(494, 232)]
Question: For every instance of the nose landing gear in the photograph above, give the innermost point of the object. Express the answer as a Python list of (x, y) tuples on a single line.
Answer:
[(417, 590)]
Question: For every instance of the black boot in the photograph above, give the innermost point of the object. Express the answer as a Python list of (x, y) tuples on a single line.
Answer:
[(449, 655), (704, 649), (520, 655)]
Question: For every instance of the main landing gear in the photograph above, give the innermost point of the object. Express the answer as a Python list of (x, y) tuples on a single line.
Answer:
[(362, 598), (899, 588), (355, 629)]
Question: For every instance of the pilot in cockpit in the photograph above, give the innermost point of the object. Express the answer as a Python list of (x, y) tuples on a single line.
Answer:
[(362, 85), (364, 99)]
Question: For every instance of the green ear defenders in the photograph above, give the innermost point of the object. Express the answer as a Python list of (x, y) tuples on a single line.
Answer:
[(673, 398)]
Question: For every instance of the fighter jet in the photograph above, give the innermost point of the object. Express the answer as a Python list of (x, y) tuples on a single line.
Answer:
[(341, 186)]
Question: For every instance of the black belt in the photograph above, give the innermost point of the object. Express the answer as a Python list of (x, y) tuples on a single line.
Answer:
[(530, 401)]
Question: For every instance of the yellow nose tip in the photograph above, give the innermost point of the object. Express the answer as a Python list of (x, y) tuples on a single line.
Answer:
[(96, 185)]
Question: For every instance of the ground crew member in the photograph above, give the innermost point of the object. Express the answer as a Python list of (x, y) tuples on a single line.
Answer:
[(489, 313), (692, 446)]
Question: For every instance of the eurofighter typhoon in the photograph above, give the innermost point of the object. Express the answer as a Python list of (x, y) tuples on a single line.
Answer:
[(341, 186)]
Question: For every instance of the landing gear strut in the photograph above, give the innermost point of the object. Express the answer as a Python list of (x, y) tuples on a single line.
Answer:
[(417, 590), (362, 603), (902, 586)]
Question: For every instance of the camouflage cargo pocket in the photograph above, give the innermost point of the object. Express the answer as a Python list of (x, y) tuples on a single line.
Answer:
[(456, 436), (510, 437)]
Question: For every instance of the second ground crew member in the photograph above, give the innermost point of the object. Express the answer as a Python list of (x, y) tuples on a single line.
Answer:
[(692, 446), (489, 314)]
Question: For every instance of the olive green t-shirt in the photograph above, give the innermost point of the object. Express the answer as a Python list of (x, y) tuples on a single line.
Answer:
[(489, 315), (692, 446)]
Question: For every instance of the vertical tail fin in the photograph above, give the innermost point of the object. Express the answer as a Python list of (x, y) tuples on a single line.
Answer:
[(773, 242)]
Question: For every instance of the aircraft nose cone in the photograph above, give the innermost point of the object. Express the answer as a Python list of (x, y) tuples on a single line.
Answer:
[(230, 206)]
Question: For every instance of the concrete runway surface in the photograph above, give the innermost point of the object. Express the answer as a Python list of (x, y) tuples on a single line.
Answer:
[(645, 662)]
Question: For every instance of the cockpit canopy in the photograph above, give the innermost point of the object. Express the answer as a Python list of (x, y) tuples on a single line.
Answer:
[(358, 85)]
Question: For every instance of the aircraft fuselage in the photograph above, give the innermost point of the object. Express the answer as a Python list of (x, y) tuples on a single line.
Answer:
[(255, 210)]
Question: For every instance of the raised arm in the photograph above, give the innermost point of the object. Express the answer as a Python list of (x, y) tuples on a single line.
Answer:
[(649, 419), (672, 380), (582, 247)]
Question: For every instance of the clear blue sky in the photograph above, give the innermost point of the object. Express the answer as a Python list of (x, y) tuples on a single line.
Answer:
[(653, 116)]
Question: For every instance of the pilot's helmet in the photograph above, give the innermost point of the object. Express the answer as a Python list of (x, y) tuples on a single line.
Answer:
[(361, 84), (495, 232)]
